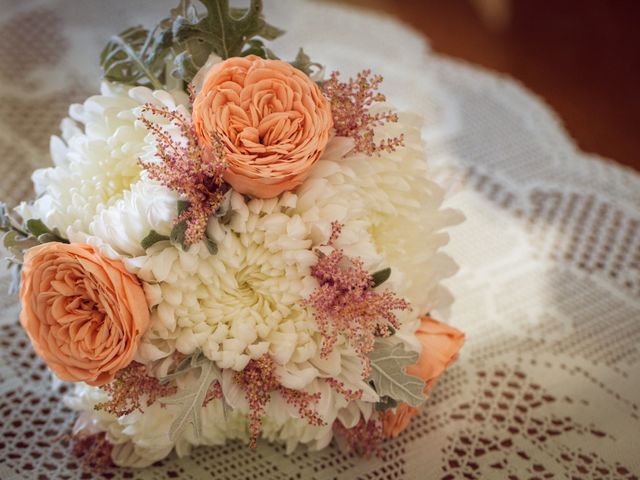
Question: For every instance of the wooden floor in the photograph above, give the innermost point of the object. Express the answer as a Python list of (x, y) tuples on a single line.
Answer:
[(582, 56)]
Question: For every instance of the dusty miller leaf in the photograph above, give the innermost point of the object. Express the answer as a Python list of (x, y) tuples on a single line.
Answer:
[(14, 285), (385, 403), (178, 235), (18, 238), (5, 221), (183, 206), (194, 361), (9, 222), (388, 364), (137, 56), (381, 276), (212, 246), (152, 238), (190, 402), (224, 31), (303, 62), (258, 48), (37, 228)]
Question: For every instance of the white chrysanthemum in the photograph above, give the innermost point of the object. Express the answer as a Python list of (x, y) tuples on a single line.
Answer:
[(95, 164), (246, 300)]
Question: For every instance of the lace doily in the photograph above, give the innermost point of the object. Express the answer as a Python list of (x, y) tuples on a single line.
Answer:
[(548, 291)]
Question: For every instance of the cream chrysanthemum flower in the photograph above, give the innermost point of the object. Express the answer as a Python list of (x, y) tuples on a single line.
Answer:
[(246, 300), (96, 163)]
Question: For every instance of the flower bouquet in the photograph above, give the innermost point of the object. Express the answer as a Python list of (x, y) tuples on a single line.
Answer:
[(233, 246)]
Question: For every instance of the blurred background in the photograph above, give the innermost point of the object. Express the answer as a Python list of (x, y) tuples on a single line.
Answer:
[(581, 56)]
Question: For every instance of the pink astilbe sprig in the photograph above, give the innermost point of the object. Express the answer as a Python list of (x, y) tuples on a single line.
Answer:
[(364, 439), (345, 302), (351, 102), (339, 387), (131, 386), (259, 380), (186, 168)]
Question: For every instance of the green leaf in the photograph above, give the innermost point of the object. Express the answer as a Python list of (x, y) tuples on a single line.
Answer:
[(187, 363), (137, 56), (18, 244), (212, 246), (5, 221), (185, 66), (178, 234), (8, 222), (388, 364), (258, 48), (14, 285), (183, 206), (386, 403), (18, 238), (223, 31), (185, 9), (269, 32), (9, 239), (381, 276), (151, 239), (36, 227), (225, 212), (47, 238), (191, 400), (303, 62)]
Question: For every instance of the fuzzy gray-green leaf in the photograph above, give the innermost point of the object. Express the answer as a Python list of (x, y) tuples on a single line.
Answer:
[(48, 238), (190, 401), (9, 238), (381, 276), (178, 234), (212, 246), (37, 227), (187, 363), (137, 56), (258, 48), (183, 206), (224, 30), (5, 222), (14, 285), (151, 239), (386, 403), (389, 376), (303, 62)]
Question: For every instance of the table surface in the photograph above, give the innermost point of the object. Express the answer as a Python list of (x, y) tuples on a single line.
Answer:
[(548, 291)]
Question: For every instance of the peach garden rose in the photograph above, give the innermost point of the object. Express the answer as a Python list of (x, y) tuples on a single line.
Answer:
[(271, 118), (440, 346), (83, 312)]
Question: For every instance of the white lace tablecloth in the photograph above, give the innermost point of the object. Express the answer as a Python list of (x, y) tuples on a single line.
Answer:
[(548, 292)]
